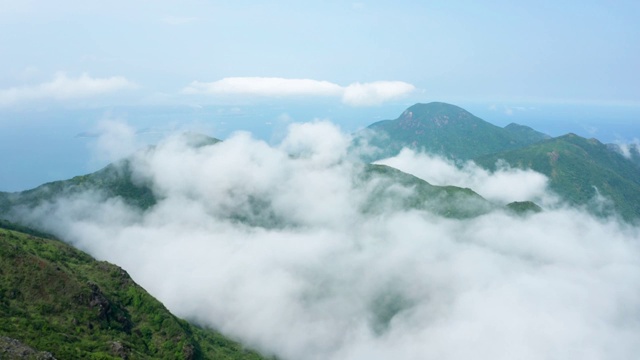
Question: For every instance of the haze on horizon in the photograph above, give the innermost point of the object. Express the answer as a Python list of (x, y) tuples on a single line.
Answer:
[(74, 64), (359, 53)]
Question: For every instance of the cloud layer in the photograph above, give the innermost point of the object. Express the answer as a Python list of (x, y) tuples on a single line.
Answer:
[(63, 87), (503, 186), (356, 94), (270, 245)]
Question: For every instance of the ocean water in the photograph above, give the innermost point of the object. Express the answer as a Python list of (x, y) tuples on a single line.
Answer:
[(40, 146)]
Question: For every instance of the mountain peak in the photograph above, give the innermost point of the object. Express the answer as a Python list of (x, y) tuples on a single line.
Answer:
[(447, 130), (437, 113)]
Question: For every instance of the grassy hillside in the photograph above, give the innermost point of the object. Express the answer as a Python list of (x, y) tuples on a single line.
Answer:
[(444, 129), (579, 169), (57, 299)]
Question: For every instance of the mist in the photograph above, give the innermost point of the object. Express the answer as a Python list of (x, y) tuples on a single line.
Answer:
[(503, 186), (270, 245)]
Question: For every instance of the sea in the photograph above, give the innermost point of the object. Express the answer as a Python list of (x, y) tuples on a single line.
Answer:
[(43, 145)]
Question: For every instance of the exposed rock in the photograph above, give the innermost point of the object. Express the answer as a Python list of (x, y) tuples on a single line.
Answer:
[(117, 349), (189, 352), (11, 349)]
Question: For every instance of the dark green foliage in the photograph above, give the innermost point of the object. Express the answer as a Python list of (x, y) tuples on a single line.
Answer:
[(4, 202), (443, 129), (580, 170), (388, 185), (524, 207), (4, 224), (57, 299), (116, 180)]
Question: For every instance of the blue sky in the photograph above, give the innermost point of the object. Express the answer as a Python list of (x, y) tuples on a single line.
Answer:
[(224, 66), (150, 52)]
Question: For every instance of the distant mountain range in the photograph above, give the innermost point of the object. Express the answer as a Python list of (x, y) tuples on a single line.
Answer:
[(447, 130), (579, 169), (56, 299)]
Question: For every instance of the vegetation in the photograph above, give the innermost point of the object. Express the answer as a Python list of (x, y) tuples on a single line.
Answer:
[(446, 130), (524, 207), (57, 299), (114, 180), (633, 151), (447, 201), (582, 171), (526, 134)]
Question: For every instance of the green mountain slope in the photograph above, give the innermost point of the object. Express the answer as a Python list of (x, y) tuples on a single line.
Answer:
[(579, 169), (443, 129), (631, 151), (117, 180), (386, 187), (114, 180), (525, 134), (57, 299)]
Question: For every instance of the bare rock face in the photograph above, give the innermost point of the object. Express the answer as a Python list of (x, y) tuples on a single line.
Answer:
[(11, 349), (188, 351), (119, 350)]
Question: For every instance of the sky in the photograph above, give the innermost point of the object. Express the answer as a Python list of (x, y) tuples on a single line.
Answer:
[(67, 65), (169, 51)]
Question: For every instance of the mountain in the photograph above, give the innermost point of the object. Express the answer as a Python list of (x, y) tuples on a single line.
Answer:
[(443, 129), (117, 181), (629, 151), (585, 172), (525, 134), (114, 180), (448, 201), (580, 169), (56, 301)]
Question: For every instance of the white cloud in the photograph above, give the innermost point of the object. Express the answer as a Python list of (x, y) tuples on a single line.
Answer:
[(505, 185), (367, 94), (269, 244), (265, 86), (627, 149), (63, 87), (356, 94), (116, 140)]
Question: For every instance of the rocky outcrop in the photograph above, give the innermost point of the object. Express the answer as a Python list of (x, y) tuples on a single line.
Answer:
[(11, 349)]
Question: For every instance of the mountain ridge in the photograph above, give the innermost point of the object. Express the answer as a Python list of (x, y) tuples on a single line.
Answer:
[(443, 129), (580, 169)]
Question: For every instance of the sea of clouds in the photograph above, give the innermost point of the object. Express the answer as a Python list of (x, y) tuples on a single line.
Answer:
[(329, 281)]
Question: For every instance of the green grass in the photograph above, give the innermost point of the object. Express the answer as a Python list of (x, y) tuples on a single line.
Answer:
[(57, 299)]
